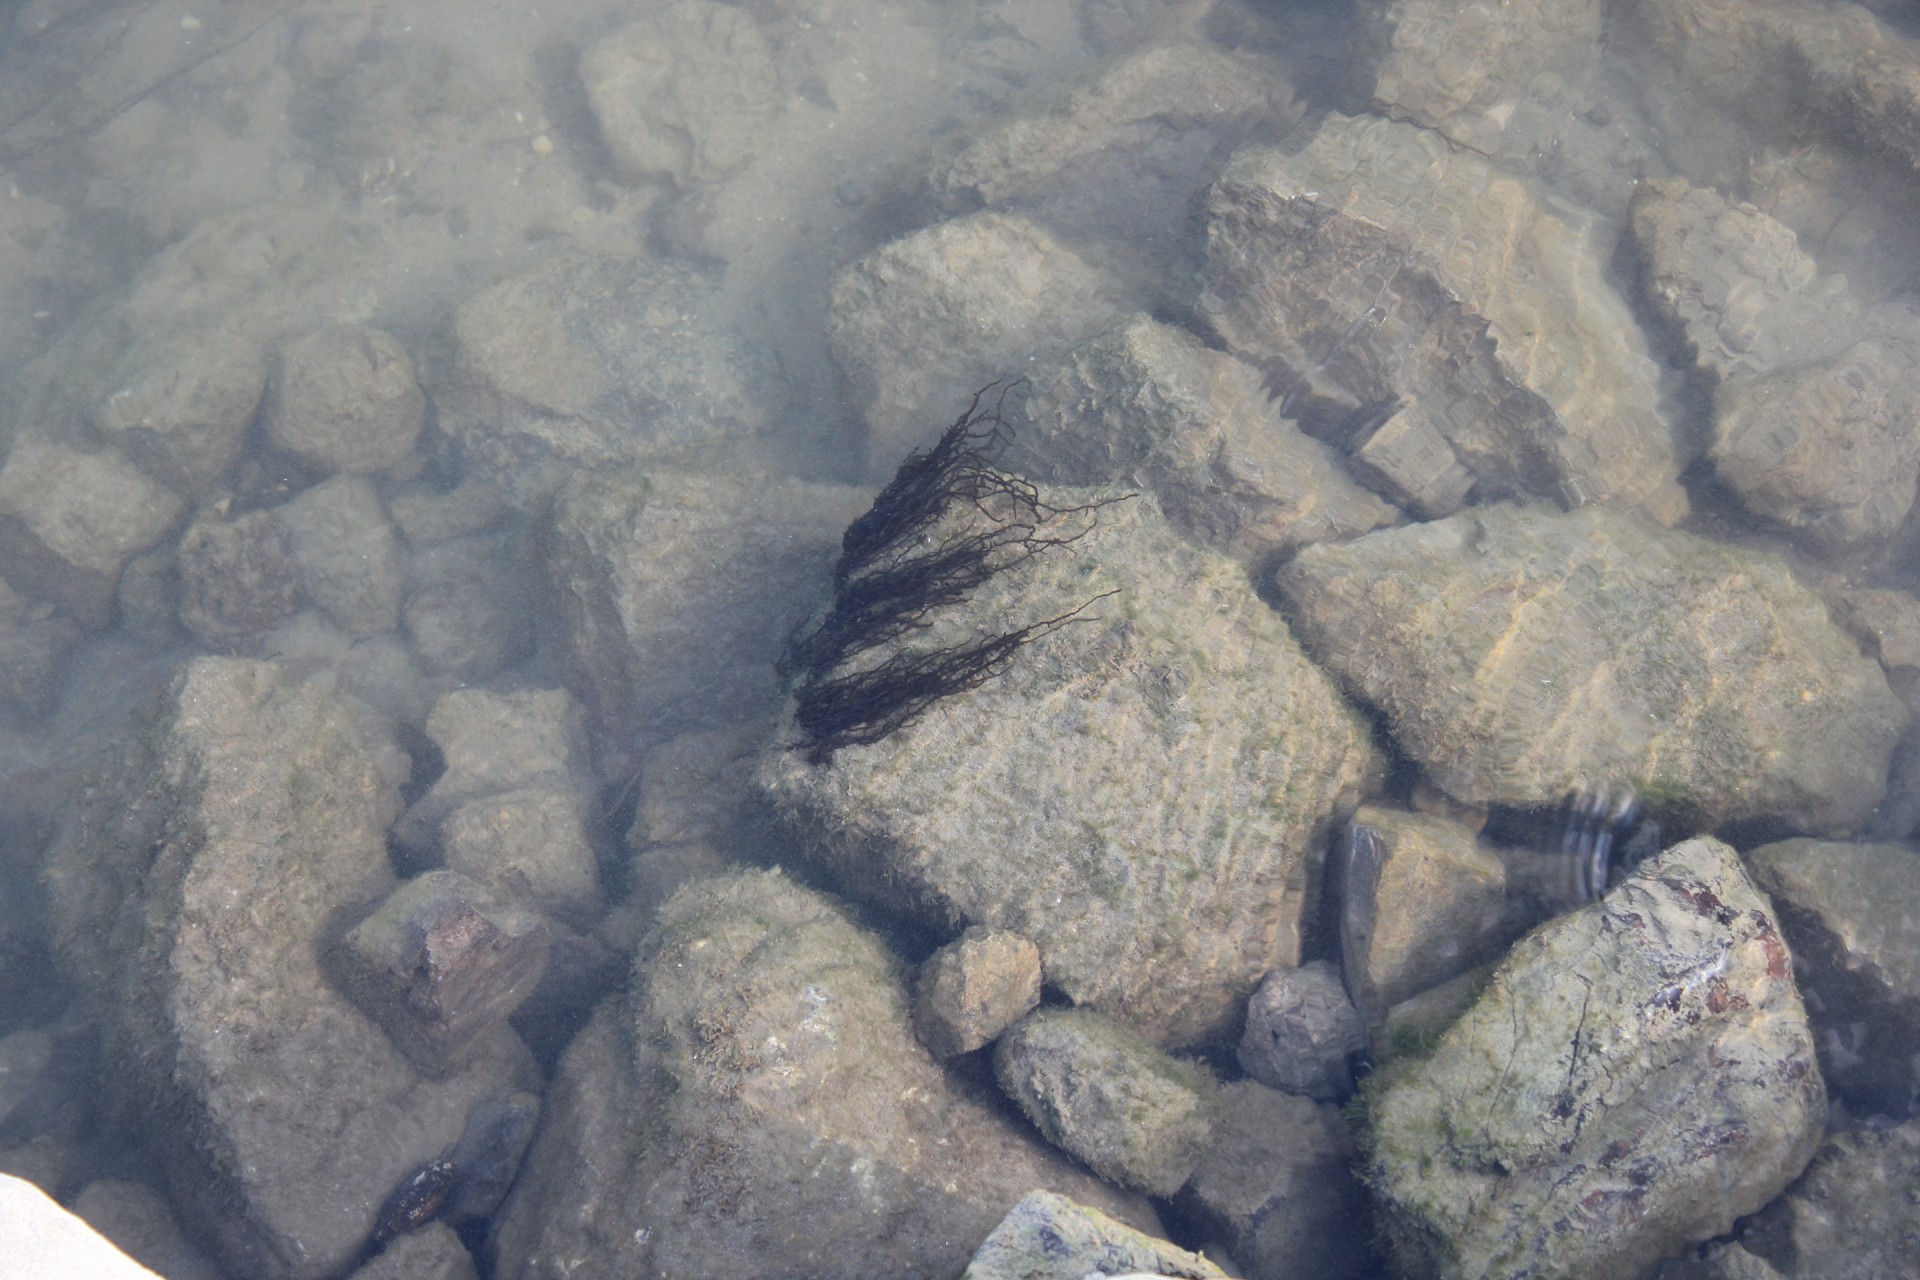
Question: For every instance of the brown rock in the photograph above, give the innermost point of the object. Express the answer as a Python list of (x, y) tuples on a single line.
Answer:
[(972, 989)]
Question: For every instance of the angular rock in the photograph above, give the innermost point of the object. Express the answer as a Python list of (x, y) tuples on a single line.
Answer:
[(1160, 902), (139, 1222), (1376, 264), (678, 590), (1407, 459), (1852, 915), (432, 1253), (1276, 1187), (582, 363), (1049, 1237), (179, 405), (1637, 1074), (1518, 651), (345, 400), (1095, 1089), (922, 323), (1121, 153), (972, 989), (238, 579), (469, 607), (1853, 1216), (440, 965), (70, 521), (692, 787), (1302, 1031), (759, 1106), (349, 557), (1147, 404), (191, 895), (687, 92), (530, 845), (1497, 80)]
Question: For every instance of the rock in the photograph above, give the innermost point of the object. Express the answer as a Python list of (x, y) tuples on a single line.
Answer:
[(191, 895), (238, 579), (45, 1240), (348, 556), (70, 521), (678, 590), (35, 642), (1498, 81), (510, 811), (1147, 404), (1853, 1216), (1301, 1033), (974, 988), (469, 607), (433, 1252), (1376, 264), (440, 965), (693, 787), (759, 1106), (136, 1218), (588, 363), (1276, 1187), (1637, 1074), (1049, 1237), (1849, 912), (687, 92), (1886, 622), (489, 1153), (1436, 908), (1407, 459), (345, 400), (1517, 651), (1815, 399), (1102, 1093), (1123, 151), (922, 323), (1161, 906), (179, 405)]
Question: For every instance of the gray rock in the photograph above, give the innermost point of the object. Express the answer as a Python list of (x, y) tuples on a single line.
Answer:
[(1049, 1237), (345, 400), (489, 1153), (1854, 1216), (179, 405), (469, 608), (1139, 793), (440, 965), (1276, 1187), (586, 363), (432, 1253), (529, 844), (238, 579), (1374, 263), (1850, 912), (35, 641), (1302, 1030), (759, 1106), (677, 592), (1517, 651), (687, 92), (922, 323), (974, 988), (1147, 404), (349, 557), (1122, 152), (1637, 1074), (70, 520), (191, 895), (1099, 1091), (1407, 459), (138, 1221), (693, 786)]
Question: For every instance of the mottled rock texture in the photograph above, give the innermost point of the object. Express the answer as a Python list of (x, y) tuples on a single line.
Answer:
[(1049, 1237), (759, 1106), (1373, 263), (1517, 651), (1302, 1030), (345, 399), (192, 895), (1636, 1075), (1140, 793), (972, 989), (1854, 1216), (1852, 915), (1146, 403)]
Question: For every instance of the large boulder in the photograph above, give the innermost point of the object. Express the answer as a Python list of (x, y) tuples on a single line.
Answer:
[(1636, 1075)]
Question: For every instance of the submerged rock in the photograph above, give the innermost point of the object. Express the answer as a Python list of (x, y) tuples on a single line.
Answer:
[(1139, 791), (1049, 1237), (1518, 651), (760, 1106), (1637, 1074), (1854, 1216)]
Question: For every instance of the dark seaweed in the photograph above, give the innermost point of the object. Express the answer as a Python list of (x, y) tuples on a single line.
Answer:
[(946, 523)]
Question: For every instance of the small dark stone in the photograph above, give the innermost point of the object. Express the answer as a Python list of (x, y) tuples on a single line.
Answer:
[(418, 1200)]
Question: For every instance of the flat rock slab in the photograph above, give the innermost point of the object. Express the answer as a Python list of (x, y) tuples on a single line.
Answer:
[(1517, 651), (1387, 265), (1139, 793), (1637, 1075)]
